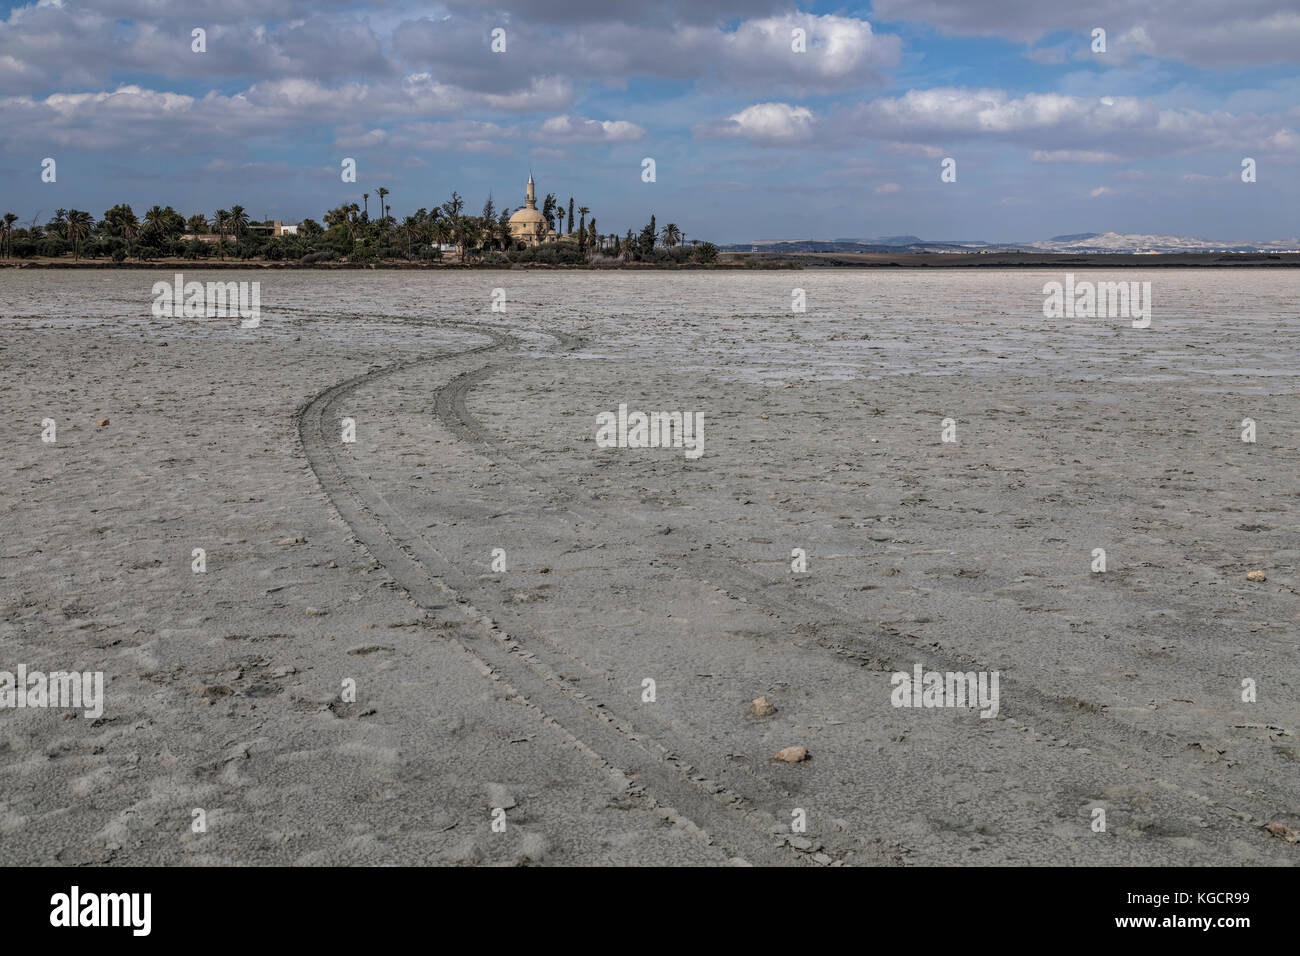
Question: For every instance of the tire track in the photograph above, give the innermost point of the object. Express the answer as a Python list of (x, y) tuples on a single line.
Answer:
[(643, 765), (1246, 800)]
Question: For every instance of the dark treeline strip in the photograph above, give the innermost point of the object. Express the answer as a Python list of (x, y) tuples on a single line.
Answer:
[(347, 234)]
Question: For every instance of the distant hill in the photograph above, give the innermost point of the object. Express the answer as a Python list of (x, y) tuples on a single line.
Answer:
[(841, 245), (881, 244), (1080, 243), (1134, 242)]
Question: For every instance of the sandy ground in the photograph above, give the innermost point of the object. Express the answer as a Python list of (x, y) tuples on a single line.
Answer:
[(524, 689)]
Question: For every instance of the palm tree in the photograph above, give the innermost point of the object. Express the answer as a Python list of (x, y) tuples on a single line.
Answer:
[(591, 231), (671, 234), (582, 225), (559, 214), (365, 198), (383, 208), (78, 227), (409, 225), (466, 233), (222, 222), (238, 221), (337, 217), (7, 240), (156, 218), (121, 221), (442, 232)]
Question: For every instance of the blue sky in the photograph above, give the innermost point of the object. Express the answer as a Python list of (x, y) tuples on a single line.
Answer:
[(751, 139)]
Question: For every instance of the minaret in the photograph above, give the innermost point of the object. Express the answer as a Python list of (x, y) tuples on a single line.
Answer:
[(530, 198)]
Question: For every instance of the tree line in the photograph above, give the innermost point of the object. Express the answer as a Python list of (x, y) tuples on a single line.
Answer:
[(348, 233)]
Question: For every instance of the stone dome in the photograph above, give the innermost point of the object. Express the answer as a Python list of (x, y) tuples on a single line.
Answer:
[(526, 216), (527, 225)]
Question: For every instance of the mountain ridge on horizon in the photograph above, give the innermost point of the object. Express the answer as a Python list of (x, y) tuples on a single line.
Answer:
[(1081, 242)]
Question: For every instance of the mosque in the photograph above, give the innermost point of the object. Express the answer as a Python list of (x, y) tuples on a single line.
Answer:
[(527, 225)]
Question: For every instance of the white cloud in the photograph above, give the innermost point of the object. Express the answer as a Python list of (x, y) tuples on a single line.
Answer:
[(575, 129), (1062, 128), (1202, 32), (840, 51), (763, 123), (131, 115), (1057, 128)]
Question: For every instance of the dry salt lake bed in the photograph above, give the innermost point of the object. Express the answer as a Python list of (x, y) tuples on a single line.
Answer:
[(360, 676)]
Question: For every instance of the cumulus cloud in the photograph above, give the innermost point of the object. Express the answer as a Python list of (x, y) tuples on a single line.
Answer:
[(77, 43), (228, 11), (575, 129), (625, 11), (1201, 32), (839, 52), (1061, 126), (69, 45), (773, 123), (173, 122), (1057, 128)]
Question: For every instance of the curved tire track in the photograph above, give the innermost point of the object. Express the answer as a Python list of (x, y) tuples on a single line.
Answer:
[(643, 764), (617, 741), (1246, 800)]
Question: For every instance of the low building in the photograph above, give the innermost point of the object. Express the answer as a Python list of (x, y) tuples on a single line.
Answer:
[(273, 229)]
